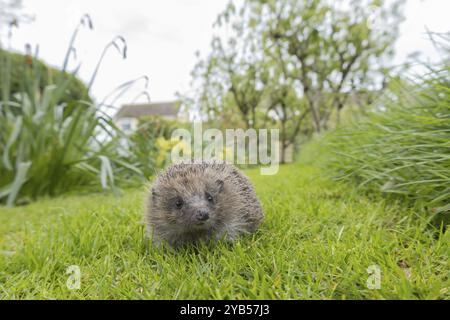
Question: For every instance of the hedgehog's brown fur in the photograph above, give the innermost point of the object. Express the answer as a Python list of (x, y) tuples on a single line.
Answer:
[(232, 206)]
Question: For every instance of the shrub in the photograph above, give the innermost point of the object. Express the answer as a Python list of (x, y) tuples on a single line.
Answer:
[(20, 67), (48, 146), (404, 147)]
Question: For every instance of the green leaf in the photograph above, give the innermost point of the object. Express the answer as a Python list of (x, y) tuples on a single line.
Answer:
[(12, 138), (19, 179)]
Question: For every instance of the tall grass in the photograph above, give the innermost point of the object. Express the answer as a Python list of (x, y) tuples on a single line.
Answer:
[(47, 151), (403, 147)]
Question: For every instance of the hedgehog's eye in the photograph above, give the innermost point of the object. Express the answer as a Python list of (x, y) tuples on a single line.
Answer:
[(179, 203), (209, 197)]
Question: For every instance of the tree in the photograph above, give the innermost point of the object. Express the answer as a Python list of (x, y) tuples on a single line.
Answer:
[(232, 72), (228, 77), (288, 112), (331, 48), (286, 108), (294, 64)]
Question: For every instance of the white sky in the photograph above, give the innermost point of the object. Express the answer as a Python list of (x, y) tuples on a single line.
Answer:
[(163, 36)]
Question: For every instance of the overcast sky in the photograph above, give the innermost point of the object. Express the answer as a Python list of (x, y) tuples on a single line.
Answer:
[(163, 36)]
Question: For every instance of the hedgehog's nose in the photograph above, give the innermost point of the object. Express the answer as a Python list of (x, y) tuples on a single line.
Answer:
[(202, 215)]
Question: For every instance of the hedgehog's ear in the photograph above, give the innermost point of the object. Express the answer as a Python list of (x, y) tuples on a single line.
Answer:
[(219, 184)]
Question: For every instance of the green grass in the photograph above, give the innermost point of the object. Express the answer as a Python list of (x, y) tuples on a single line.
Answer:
[(317, 241)]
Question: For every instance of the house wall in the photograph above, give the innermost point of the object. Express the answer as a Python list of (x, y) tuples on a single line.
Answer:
[(127, 125)]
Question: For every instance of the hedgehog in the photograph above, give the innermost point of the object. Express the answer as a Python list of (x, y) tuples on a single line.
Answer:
[(201, 202)]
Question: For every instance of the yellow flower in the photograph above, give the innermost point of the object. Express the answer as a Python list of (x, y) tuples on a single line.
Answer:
[(165, 146)]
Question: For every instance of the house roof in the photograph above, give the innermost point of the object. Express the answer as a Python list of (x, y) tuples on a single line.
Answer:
[(148, 109)]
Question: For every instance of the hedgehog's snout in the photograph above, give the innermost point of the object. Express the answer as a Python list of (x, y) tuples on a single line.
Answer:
[(202, 215)]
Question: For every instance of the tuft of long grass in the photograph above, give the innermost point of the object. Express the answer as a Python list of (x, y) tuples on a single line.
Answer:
[(402, 148), (48, 153)]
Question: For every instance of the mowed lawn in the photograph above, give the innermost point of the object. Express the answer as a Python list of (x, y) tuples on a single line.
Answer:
[(317, 242)]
